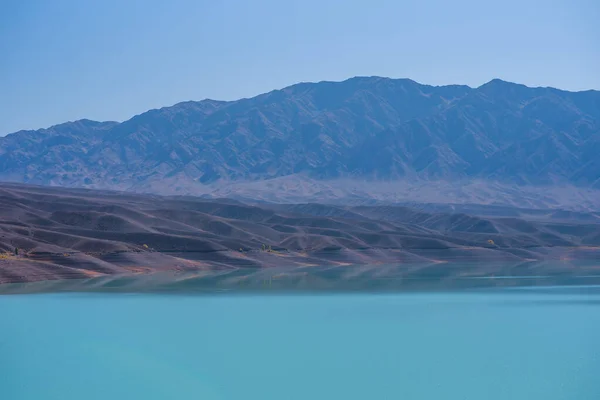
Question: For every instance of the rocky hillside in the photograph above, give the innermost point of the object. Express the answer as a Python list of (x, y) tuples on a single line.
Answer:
[(363, 128), (51, 233)]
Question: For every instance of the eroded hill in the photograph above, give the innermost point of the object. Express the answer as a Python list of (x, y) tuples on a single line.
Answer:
[(74, 233)]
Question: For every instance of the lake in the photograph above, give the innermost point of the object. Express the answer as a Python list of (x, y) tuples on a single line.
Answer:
[(494, 344)]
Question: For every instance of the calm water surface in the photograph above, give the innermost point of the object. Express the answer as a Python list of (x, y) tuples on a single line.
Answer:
[(513, 344)]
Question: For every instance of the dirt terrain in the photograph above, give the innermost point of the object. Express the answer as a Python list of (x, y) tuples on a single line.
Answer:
[(54, 233)]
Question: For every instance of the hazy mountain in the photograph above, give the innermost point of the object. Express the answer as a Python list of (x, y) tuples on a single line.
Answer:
[(366, 128)]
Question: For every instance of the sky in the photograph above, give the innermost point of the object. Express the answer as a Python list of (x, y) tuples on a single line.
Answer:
[(64, 60)]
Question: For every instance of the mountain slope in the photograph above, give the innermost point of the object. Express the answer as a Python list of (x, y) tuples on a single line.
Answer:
[(362, 128), (50, 233)]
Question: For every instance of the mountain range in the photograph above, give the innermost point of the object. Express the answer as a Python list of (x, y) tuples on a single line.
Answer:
[(366, 130)]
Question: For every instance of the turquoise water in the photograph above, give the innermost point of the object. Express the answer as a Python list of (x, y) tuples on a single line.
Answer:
[(512, 344)]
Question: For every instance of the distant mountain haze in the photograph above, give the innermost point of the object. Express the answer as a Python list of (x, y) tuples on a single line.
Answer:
[(363, 129)]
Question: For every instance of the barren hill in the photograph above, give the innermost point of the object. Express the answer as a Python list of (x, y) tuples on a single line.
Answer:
[(78, 233)]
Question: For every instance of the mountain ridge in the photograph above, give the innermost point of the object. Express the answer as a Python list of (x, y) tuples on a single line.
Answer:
[(370, 128), (208, 99)]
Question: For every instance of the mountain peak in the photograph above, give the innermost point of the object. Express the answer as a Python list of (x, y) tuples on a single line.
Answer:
[(497, 82), (499, 87)]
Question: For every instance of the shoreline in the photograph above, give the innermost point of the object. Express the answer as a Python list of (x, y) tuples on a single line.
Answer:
[(327, 278), (51, 266)]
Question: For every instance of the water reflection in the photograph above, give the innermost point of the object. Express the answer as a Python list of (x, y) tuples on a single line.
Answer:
[(374, 278)]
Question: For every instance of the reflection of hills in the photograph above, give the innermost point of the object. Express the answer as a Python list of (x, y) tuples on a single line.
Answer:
[(339, 278), (83, 233)]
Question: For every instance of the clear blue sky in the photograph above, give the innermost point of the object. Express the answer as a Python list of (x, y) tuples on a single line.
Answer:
[(63, 60)]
